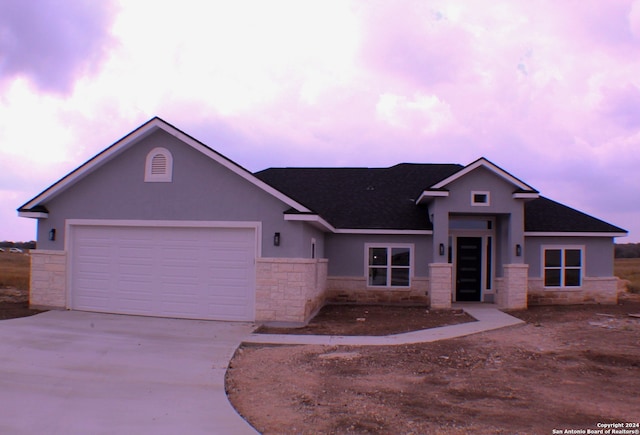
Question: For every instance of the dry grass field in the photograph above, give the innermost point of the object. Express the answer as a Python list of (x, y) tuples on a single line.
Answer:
[(629, 269), (14, 270), (14, 286)]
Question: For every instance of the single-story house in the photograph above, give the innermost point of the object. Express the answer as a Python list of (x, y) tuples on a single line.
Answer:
[(159, 224)]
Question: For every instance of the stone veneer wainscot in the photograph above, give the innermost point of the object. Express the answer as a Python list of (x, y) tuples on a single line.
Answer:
[(289, 290), (48, 286)]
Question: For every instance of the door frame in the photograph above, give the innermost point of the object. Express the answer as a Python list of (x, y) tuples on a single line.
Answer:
[(487, 262)]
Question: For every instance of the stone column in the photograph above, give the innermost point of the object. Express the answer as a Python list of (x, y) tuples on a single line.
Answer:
[(514, 289), (440, 284), (289, 290), (48, 287)]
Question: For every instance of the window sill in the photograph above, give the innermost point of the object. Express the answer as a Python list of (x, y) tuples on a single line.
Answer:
[(382, 287), (564, 289)]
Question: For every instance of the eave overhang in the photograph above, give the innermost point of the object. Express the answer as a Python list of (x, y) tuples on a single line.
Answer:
[(573, 234), (33, 214), (314, 219), (526, 195), (320, 223), (383, 231), (427, 195)]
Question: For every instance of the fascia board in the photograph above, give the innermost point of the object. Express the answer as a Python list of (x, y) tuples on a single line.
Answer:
[(33, 214), (572, 234), (310, 218), (383, 231), (428, 194), (526, 195)]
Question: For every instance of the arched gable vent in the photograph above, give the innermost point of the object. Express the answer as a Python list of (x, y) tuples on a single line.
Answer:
[(159, 166)]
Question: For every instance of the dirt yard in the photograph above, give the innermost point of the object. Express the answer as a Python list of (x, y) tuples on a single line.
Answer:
[(15, 303), (373, 320), (566, 368)]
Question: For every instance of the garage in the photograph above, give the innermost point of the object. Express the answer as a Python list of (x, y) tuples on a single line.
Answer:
[(196, 272)]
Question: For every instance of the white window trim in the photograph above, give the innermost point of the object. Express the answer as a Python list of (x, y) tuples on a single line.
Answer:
[(480, 192), (167, 176), (583, 256), (411, 267)]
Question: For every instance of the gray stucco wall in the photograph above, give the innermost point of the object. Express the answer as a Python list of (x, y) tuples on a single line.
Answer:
[(481, 179), (509, 213), (599, 253), (347, 252), (201, 190)]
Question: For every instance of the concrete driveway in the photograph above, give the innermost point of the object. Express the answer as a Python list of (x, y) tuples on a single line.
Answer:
[(71, 372)]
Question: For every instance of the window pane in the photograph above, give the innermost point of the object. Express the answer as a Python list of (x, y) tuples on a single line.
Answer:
[(400, 256), (552, 278), (489, 267), (572, 258), (400, 277), (552, 258), (378, 256), (480, 198), (572, 278), (378, 276)]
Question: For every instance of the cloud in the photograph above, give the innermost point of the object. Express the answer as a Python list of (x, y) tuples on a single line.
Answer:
[(52, 42), (622, 106), (634, 19), (422, 113), (415, 42)]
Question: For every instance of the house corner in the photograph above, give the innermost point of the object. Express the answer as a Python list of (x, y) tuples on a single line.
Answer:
[(48, 284), (512, 292), (289, 290)]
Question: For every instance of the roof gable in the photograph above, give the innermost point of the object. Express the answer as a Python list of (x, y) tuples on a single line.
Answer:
[(440, 189), (483, 162), (34, 208)]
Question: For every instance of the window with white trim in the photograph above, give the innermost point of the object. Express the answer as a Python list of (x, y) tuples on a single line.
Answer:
[(563, 266), (159, 166), (482, 198), (389, 265)]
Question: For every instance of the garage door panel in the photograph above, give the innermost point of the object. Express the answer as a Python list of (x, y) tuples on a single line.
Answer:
[(200, 273), (225, 312)]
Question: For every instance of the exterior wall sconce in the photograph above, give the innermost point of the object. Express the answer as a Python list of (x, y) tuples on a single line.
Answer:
[(518, 251), (52, 234), (441, 249), (276, 239)]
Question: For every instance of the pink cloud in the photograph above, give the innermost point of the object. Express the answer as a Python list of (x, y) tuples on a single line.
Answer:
[(52, 42)]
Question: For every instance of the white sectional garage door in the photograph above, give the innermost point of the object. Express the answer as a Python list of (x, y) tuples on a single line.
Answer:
[(194, 273)]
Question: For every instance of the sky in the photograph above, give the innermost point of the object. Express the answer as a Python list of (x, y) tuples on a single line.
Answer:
[(548, 90)]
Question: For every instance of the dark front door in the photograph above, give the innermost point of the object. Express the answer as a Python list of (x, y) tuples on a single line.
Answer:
[(468, 268)]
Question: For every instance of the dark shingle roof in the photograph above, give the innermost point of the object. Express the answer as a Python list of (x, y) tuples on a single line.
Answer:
[(379, 198), (385, 198), (545, 215)]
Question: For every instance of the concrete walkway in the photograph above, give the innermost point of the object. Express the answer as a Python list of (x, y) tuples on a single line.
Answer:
[(488, 317)]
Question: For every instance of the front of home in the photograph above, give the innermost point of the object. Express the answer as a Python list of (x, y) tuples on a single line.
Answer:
[(159, 224)]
